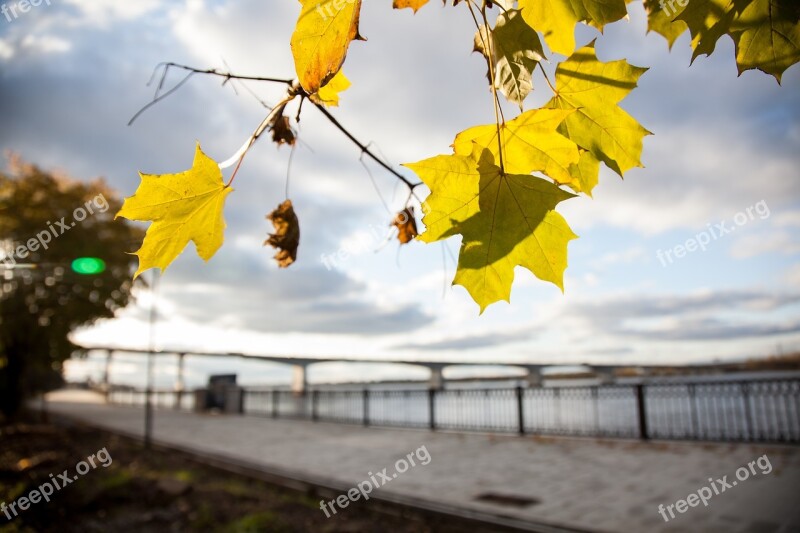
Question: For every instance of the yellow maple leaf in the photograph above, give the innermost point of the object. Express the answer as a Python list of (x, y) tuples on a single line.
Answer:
[(329, 94), (183, 207), (505, 220), (593, 89), (556, 19), (413, 4), (585, 174), (321, 38), (531, 143)]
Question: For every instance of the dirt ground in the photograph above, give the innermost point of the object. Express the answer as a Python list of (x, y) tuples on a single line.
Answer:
[(159, 490)]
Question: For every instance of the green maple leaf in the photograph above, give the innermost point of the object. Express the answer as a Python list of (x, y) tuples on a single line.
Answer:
[(767, 36), (556, 19), (766, 32), (708, 21), (514, 49), (593, 89), (661, 20), (506, 220)]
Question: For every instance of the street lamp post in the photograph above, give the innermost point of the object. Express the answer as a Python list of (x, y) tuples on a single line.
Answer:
[(148, 395)]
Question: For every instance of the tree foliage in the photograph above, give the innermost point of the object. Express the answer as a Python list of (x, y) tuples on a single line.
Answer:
[(500, 187), (41, 299)]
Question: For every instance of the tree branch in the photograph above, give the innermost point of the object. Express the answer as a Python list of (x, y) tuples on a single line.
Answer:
[(226, 75), (364, 148), (295, 89)]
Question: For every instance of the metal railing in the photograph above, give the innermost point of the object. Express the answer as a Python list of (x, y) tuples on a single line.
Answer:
[(165, 399), (735, 411)]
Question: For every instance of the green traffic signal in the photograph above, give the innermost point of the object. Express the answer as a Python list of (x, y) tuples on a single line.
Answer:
[(88, 266)]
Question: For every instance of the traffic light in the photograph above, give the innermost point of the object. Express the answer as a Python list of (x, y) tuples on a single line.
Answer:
[(88, 266)]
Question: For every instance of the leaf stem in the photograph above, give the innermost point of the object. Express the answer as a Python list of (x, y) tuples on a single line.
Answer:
[(499, 120), (547, 79), (268, 122), (489, 47)]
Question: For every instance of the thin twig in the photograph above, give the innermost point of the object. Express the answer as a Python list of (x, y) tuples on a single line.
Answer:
[(547, 79), (363, 147), (495, 98), (192, 71), (294, 91), (158, 98), (228, 75), (374, 184), (289, 167)]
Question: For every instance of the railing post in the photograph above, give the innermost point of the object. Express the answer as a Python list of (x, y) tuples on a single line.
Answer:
[(274, 403), (642, 409), (107, 373), (301, 404), (432, 408), (748, 415), (365, 401), (520, 412), (693, 410), (179, 382), (314, 415), (557, 401)]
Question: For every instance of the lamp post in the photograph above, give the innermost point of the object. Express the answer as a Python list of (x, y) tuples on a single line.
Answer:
[(93, 266), (148, 394)]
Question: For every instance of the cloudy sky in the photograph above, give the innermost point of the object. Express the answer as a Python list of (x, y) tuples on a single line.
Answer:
[(725, 150)]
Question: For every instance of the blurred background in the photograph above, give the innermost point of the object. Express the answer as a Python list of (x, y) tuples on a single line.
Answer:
[(638, 310), (73, 73)]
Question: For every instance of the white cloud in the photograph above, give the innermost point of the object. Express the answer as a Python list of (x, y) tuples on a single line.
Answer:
[(46, 44), (627, 256), (792, 276), (782, 242), (105, 12), (6, 51), (788, 219)]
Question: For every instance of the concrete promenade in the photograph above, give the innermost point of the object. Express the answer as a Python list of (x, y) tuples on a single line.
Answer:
[(583, 484)]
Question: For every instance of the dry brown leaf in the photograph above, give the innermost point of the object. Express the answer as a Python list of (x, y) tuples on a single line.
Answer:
[(287, 234), (282, 132), (406, 225)]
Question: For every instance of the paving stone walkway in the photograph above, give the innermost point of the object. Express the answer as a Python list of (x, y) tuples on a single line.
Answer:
[(586, 484)]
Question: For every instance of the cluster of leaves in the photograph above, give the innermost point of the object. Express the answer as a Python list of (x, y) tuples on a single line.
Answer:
[(500, 187), (42, 300)]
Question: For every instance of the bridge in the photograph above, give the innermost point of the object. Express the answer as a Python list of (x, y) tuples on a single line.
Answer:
[(606, 373)]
